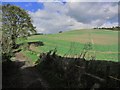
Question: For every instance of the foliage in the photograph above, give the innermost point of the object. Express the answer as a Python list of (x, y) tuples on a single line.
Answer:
[(69, 72), (16, 23), (60, 31), (110, 28)]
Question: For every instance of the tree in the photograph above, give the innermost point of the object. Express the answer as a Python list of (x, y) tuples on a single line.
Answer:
[(15, 23), (60, 31)]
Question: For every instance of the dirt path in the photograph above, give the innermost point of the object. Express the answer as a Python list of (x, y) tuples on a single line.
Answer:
[(28, 76), (22, 58)]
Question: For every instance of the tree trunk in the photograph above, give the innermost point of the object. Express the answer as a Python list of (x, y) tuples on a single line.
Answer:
[(14, 45)]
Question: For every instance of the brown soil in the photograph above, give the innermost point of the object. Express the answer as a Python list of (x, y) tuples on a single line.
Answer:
[(20, 57), (33, 48)]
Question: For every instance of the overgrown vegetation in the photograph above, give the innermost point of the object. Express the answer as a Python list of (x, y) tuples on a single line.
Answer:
[(77, 72)]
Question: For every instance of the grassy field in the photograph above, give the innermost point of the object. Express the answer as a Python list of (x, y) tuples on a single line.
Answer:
[(104, 44)]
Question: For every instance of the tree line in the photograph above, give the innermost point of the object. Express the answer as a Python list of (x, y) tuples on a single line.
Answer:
[(117, 28)]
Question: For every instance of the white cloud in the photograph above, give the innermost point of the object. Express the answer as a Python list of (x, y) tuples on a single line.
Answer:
[(58, 16), (87, 12), (78, 0), (108, 24), (60, 0), (53, 22)]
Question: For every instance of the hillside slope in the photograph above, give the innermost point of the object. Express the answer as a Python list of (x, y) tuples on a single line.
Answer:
[(104, 43)]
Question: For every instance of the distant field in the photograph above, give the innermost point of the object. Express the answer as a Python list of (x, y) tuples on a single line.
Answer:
[(104, 43)]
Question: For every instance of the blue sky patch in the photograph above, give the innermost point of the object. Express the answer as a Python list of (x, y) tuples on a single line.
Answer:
[(29, 6)]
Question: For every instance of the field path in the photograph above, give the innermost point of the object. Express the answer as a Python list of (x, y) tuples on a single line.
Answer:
[(28, 76), (22, 58)]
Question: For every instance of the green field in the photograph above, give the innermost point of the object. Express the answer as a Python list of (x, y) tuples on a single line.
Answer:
[(104, 44)]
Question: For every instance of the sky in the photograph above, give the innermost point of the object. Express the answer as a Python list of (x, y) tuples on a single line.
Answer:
[(52, 17)]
